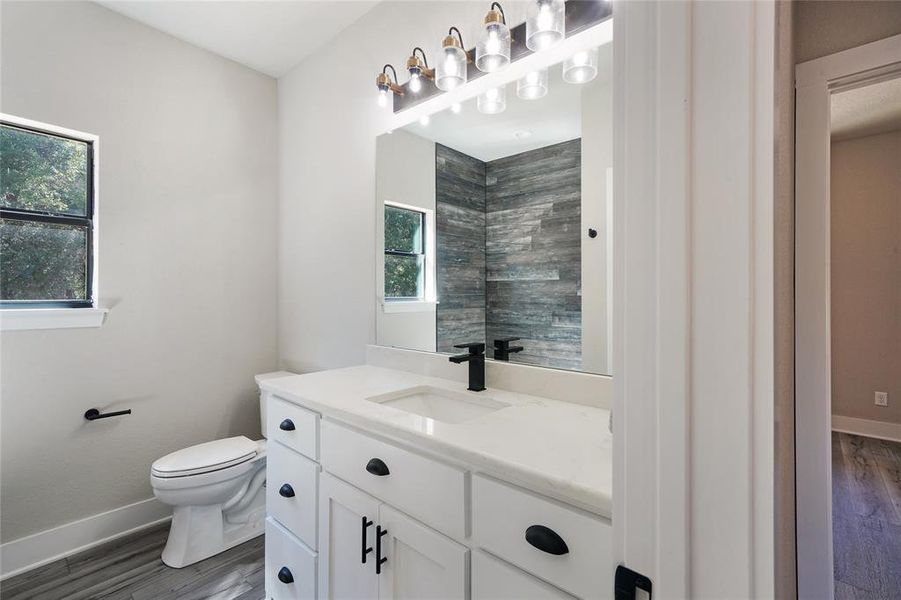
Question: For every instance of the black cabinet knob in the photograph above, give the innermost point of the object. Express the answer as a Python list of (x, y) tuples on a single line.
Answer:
[(377, 466), (286, 425), (285, 576), (286, 491), (546, 540)]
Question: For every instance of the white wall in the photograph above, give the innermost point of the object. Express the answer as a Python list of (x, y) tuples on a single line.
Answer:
[(328, 121), (405, 174), (187, 255), (597, 159)]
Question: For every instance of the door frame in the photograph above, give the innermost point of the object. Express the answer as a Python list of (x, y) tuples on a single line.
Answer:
[(693, 405), (815, 82)]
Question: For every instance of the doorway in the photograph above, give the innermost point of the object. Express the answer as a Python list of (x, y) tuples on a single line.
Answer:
[(848, 323)]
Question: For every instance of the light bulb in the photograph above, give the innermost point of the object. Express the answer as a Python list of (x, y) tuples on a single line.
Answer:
[(493, 44), (424, 120), (383, 98), (581, 67), (456, 107), (546, 24), (415, 84)]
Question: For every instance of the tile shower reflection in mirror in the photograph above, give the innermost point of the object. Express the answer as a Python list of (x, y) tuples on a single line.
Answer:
[(496, 228)]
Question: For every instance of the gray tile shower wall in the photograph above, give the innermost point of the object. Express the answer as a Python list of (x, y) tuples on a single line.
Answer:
[(533, 253), (509, 257), (460, 225)]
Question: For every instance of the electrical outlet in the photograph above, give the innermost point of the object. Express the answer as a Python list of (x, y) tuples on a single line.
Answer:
[(881, 398)]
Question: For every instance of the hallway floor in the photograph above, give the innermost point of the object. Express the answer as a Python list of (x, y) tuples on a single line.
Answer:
[(130, 569), (866, 517)]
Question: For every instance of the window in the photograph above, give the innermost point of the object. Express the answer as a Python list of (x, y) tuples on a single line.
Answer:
[(405, 253), (47, 208)]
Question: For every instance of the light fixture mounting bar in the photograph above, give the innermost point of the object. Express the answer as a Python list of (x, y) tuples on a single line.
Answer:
[(580, 15)]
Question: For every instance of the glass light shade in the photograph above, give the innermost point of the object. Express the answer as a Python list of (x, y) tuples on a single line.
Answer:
[(546, 24), (450, 72), (493, 101), (581, 67), (493, 49), (533, 85)]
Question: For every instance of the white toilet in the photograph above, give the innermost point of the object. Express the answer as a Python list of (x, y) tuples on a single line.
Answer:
[(217, 491)]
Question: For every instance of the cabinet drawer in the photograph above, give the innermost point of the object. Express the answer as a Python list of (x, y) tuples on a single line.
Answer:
[(426, 489), (284, 551), (292, 491), (295, 427), (493, 579), (502, 515)]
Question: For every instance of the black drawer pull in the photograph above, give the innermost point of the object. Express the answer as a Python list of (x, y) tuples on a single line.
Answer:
[(286, 425), (379, 559), (377, 466), (286, 491), (546, 540), (364, 549), (285, 576)]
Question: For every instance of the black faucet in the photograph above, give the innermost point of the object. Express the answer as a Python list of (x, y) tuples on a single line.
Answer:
[(502, 349), (476, 359)]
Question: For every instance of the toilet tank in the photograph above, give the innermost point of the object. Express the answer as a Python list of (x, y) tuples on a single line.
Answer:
[(264, 396)]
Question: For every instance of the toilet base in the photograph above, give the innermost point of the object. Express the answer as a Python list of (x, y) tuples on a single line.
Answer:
[(199, 532)]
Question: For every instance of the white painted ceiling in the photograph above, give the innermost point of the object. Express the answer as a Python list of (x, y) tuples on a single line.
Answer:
[(525, 124), (867, 110), (270, 36)]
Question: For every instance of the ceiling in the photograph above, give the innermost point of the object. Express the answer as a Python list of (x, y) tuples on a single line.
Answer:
[(267, 35), (524, 125), (867, 110)]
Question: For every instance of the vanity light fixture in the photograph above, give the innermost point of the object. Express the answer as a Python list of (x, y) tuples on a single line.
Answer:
[(533, 85), (581, 67), (386, 85), (450, 72), (418, 68), (493, 49), (492, 101), (546, 24)]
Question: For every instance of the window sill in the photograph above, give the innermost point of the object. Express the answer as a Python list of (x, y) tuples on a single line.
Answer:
[(20, 319), (401, 306)]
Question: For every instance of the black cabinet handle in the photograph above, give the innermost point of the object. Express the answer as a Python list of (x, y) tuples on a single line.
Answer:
[(286, 425), (285, 576), (286, 491), (379, 559), (364, 549), (546, 540), (377, 467)]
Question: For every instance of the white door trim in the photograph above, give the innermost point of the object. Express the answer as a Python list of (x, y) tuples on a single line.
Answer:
[(693, 338), (815, 81)]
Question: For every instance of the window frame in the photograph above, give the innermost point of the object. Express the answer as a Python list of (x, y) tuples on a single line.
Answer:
[(89, 220), (423, 246), (392, 304)]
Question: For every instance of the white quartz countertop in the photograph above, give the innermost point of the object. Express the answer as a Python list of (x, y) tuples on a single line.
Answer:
[(559, 449)]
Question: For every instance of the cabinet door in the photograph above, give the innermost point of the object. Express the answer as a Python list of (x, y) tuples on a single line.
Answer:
[(343, 574), (421, 563)]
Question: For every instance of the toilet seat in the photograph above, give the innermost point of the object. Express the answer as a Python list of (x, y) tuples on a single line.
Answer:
[(205, 458)]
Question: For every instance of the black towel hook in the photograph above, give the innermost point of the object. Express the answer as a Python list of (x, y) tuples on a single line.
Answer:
[(92, 414)]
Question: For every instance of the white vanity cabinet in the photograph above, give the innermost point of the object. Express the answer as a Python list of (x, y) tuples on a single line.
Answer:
[(368, 518)]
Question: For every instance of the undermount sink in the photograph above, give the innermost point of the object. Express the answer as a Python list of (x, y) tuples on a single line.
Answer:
[(439, 404)]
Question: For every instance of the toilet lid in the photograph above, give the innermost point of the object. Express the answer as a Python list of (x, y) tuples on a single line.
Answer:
[(204, 458)]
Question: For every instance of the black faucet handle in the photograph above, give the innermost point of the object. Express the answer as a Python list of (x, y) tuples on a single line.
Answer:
[(504, 341), (475, 348)]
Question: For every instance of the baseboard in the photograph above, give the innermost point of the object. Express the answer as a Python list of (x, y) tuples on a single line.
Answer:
[(867, 428), (47, 546)]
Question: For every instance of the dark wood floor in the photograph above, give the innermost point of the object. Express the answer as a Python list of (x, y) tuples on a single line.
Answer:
[(866, 517), (130, 569)]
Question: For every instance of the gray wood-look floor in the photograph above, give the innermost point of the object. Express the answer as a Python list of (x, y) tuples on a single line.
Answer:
[(866, 517), (130, 569)]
